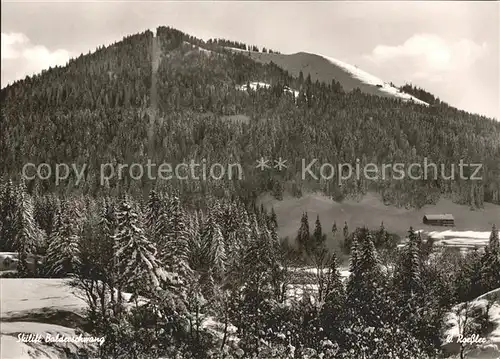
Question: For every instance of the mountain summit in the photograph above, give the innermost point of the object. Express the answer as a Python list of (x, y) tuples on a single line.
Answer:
[(325, 69), (173, 97)]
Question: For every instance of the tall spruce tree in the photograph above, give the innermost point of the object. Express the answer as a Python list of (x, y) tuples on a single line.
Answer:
[(174, 248), (214, 248), (137, 267), (63, 253), (408, 274), (365, 289), (97, 245), (8, 216), (381, 236), (107, 227), (318, 236), (273, 218), (346, 231), (490, 268), (195, 244), (469, 283), (28, 235), (334, 229), (333, 309), (154, 210), (45, 208), (304, 236)]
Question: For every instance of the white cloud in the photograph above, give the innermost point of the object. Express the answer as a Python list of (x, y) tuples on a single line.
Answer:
[(428, 55), (21, 58)]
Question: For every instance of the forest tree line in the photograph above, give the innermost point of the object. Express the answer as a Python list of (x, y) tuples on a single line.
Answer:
[(154, 270), (95, 111)]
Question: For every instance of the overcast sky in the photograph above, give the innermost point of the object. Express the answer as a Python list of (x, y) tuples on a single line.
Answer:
[(448, 48)]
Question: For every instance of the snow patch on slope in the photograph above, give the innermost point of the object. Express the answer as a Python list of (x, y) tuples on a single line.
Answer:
[(254, 85), (459, 234), (208, 52), (370, 79), (463, 239), (236, 49), (292, 91)]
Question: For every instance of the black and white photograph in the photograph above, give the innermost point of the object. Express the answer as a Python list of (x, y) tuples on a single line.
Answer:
[(249, 179)]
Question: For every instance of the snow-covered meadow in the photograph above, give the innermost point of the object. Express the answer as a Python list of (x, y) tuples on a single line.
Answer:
[(42, 306), (36, 306), (463, 239)]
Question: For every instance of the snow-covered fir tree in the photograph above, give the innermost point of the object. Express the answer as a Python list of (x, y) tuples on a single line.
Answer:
[(334, 229), (137, 267), (333, 311), (364, 286), (345, 231), (8, 216), (45, 208), (214, 247), (408, 278), (273, 218), (97, 247), (154, 210), (28, 235), (318, 237), (469, 278), (195, 244), (173, 234), (304, 236), (63, 252), (490, 268)]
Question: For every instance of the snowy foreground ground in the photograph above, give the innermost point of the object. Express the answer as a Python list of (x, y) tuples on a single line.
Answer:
[(49, 306), (490, 350), (35, 306)]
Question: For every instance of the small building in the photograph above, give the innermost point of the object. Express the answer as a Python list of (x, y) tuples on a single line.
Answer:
[(445, 220)]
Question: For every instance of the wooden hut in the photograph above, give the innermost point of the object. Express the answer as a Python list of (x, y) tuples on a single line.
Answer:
[(445, 220)]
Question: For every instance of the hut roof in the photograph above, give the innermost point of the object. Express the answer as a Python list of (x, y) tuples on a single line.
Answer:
[(437, 217)]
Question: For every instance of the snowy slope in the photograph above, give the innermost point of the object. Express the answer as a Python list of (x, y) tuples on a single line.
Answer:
[(30, 306), (50, 307), (370, 79), (325, 68), (40, 306)]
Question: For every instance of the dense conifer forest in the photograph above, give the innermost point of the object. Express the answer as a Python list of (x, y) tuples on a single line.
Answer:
[(98, 109), (193, 251), (182, 267)]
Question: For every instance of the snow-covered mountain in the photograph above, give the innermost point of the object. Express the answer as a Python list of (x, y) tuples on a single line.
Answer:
[(325, 69)]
